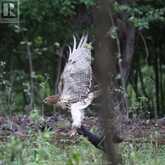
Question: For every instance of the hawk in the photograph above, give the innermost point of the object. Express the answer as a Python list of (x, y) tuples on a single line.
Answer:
[(75, 82)]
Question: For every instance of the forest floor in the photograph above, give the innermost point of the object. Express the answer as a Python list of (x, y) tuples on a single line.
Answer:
[(133, 129), (34, 134)]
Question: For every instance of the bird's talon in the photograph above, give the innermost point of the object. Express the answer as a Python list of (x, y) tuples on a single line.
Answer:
[(73, 132)]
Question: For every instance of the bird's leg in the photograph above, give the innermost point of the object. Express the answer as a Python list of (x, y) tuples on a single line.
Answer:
[(77, 117), (73, 132)]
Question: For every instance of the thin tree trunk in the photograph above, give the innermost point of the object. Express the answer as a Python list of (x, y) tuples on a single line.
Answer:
[(156, 65), (142, 82), (162, 98), (29, 54), (58, 72)]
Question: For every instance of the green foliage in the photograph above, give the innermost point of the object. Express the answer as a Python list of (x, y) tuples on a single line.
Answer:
[(143, 154), (45, 26), (139, 103), (88, 2), (36, 117), (15, 90), (74, 160), (6, 93), (38, 149), (142, 15)]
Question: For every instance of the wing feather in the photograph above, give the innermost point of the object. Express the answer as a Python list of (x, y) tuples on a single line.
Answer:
[(81, 41), (74, 44), (77, 74)]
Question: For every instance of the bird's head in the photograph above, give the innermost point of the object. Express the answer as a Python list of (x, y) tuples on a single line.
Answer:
[(51, 100)]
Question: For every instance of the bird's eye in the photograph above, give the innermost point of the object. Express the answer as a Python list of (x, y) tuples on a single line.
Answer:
[(73, 62)]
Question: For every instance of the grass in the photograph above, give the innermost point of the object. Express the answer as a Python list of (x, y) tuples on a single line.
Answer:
[(41, 148), (143, 154)]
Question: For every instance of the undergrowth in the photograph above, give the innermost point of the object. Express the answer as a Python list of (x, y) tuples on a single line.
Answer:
[(40, 148)]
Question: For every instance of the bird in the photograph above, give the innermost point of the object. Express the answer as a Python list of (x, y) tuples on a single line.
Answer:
[(74, 87)]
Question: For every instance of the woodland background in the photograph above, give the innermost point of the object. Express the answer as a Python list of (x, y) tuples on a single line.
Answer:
[(33, 53), (46, 29)]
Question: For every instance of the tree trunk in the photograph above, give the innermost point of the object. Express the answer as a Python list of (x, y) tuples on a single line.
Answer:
[(58, 71), (156, 65), (29, 54), (106, 50)]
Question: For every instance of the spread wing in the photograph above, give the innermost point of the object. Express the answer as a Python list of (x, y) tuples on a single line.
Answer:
[(76, 78)]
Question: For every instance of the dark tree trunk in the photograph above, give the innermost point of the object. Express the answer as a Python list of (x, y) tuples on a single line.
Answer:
[(126, 40), (156, 65), (106, 50), (161, 80)]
